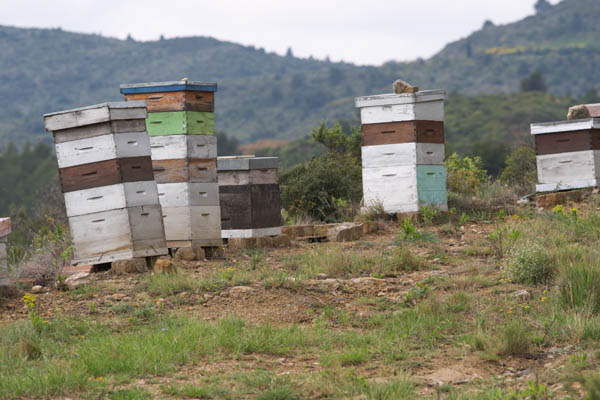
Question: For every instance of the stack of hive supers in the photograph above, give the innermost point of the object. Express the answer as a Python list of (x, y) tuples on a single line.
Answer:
[(249, 195), (181, 125), (106, 176), (568, 154), (5, 230), (403, 150)]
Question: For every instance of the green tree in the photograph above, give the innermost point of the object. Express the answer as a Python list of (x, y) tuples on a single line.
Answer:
[(521, 168), (534, 83)]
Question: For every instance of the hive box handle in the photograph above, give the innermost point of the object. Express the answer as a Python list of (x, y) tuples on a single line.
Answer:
[(429, 132), (563, 140), (203, 194), (133, 142), (96, 221), (136, 167), (140, 192), (85, 148), (156, 122), (95, 198), (155, 98), (202, 169), (564, 162), (388, 131), (90, 173), (389, 174), (199, 97)]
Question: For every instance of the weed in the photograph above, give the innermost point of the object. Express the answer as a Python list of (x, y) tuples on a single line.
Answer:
[(580, 286), (373, 212), (92, 308), (515, 339), (428, 215), (130, 394), (503, 238), (530, 263)]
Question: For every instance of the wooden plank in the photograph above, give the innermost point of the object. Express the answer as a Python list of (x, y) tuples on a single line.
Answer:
[(394, 187), (249, 233), (176, 101), (170, 86), (180, 123), (183, 146), (185, 170), (431, 177), (203, 170), (2, 253), (393, 98), (230, 178), (188, 194), (240, 163), (94, 114), (236, 206), (266, 206), (175, 244), (568, 167), (104, 173), (403, 132), (111, 197), (263, 177), (565, 126), (390, 155), (566, 142), (429, 111), (101, 148), (5, 227), (103, 128)]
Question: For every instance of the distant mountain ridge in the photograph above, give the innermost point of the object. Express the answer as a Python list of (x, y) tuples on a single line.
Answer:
[(266, 96)]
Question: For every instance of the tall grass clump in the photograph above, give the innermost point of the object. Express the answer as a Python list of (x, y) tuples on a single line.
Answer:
[(530, 263), (580, 286)]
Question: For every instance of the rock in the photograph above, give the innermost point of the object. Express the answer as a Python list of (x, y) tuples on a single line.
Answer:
[(370, 227), (264, 242), (296, 231), (190, 254), (446, 376), (321, 276), (522, 295), (133, 266), (281, 241), (345, 232), (578, 112), (164, 266), (214, 252), (367, 280), (549, 201), (239, 290), (37, 289), (78, 279), (401, 87), (241, 243)]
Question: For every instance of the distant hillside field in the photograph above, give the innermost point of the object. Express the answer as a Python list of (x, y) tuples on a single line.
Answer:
[(267, 96)]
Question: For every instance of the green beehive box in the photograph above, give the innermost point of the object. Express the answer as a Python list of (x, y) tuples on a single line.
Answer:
[(431, 184), (180, 123)]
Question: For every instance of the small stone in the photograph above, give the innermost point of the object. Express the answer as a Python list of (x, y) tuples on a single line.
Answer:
[(578, 112), (321, 276), (522, 294), (164, 266), (78, 279), (345, 232), (238, 290), (37, 289), (381, 294), (280, 360), (281, 241)]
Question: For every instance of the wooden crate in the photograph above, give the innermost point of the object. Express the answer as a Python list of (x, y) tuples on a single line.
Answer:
[(403, 132), (101, 148), (180, 123), (421, 106), (566, 136), (99, 129), (403, 154), (5, 227), (192, 224), (405, 188), (183, 146), (188, 194), (569, 167), (236, 207), (176, 101), (185, 170), (96, 114), (105, 173), (118, 234), (112, 197)]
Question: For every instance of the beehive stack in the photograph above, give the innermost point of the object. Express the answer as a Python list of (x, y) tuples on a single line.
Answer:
[(111, 198), (5, 230), (403, 150), (249, 196), (568, 154), (181, 126)]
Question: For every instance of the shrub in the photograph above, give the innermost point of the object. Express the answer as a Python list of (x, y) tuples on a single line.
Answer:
[(530, 263), (515, 339), (316, 187), (521, 168), (465, 175), (580, 286)]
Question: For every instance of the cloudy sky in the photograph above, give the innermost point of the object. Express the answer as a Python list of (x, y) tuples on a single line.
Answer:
[(359, 31)]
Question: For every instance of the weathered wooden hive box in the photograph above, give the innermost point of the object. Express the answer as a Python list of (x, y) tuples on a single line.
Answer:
[(105, 170), (5, 230), (181, 126), (403, 150), (249, 196), (568, 154)]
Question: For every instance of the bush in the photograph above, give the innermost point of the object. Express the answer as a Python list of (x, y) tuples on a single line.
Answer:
[(521, 168), (530, 263), (465, 175)]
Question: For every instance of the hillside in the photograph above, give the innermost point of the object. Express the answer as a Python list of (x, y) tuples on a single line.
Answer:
[(264, 95)]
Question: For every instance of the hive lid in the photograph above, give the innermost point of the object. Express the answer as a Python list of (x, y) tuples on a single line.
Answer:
[(241, 163), (5, 227), (404, 98), (172, 86), (95, 114), (565, 126)]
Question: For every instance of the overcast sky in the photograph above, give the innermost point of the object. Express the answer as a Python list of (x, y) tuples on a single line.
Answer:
[(359, 31)]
